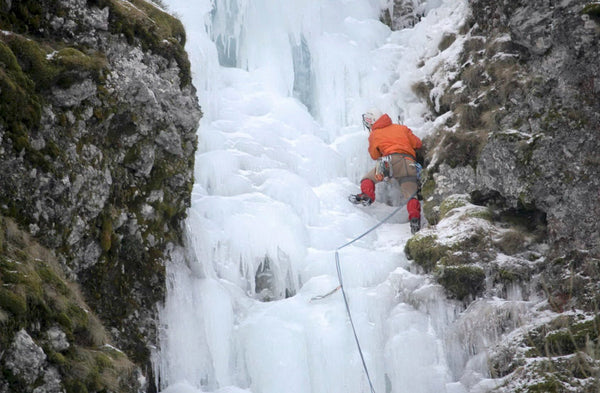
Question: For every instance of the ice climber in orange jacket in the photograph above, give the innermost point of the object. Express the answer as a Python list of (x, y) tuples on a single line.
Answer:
[(393, 146)]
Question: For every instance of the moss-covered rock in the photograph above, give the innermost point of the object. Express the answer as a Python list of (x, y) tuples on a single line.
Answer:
[(461, 282), (517, 121), (73, 103), (156, 30), (425, 251), (37, 297), (592, 9), (565, 335), (452, 202)]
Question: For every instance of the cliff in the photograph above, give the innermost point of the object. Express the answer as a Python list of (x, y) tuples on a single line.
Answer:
[(511, 192), (97, 139)]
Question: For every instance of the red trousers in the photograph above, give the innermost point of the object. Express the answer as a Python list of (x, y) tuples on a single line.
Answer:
[(404, 174)]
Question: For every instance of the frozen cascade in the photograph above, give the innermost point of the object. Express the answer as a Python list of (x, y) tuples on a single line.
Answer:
[(282, 85)]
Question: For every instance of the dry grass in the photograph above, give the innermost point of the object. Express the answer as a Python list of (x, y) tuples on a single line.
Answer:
[(447, 40), (422, 89), (462, 148), (472, 77), (469, 116), (512, 242)]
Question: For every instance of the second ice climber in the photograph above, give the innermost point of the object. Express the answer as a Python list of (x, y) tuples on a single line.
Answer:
[(393, 146)]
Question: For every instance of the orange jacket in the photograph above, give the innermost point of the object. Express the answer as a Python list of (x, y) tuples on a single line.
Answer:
[(387, 138)]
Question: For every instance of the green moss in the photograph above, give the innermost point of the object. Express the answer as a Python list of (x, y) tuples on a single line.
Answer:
[(425, 251), (75, 386), (450, 203), (106, 234), (20, 107), (592, 9), (428, 188), (103, 361), (477, 241), (1, 238), (456, 259), (73, 58), (56, 358), (32, 58), (550, 385), (27, 16), (577, 337), (560, 343), (565, 336), (26, 73), (50, 278), (93, 381), (10, 274), (13, 302), (78, 317), (8, 58), (156, 30), (484, 214), (429, 205), (64, 321), (46, 66), (462, 281), (74, 66), (508, 276)]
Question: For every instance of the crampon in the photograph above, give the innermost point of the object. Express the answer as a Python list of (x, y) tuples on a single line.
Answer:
[(360, 199)]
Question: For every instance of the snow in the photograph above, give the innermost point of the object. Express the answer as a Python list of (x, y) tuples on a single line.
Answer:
[(276, 161)]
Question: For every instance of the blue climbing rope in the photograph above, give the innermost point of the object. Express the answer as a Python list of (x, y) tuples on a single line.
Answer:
[(339, 273)]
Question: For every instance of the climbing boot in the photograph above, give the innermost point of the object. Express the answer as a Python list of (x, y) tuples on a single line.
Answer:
[(415, 225), (362, 199)]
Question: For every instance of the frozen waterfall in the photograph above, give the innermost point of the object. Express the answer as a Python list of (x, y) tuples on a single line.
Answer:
[(283, 85)]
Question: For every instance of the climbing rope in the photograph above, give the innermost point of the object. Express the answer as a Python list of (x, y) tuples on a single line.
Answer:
[(339, 273)]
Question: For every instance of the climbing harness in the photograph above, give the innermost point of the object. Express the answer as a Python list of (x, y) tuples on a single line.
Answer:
[(419, 169), (383, 170), (341, 286)]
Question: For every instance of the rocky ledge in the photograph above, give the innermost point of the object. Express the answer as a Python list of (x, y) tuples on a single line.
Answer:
[(97, 139), (511, 194)]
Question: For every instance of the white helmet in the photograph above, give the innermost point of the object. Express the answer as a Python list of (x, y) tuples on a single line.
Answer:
[(370, 117)]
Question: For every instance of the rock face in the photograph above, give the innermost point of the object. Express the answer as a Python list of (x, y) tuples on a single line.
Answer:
[(527, 98), (401, 14), (556, 113), (25, 358), (520, 139), (97, 135)]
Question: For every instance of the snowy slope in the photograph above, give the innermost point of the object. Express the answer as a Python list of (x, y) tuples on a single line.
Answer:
[(280, 148)]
